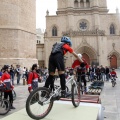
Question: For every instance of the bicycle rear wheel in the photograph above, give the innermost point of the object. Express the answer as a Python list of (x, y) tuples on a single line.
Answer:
[(34, 104), (75, 95), (4, 106)]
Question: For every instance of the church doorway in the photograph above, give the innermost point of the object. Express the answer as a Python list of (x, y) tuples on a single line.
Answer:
[(86, 57), (113, 61)]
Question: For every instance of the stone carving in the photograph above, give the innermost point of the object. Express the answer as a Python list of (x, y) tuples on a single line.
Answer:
[(85, 33)]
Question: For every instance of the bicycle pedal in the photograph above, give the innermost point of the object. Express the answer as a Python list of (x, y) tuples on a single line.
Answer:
[(55, 98)]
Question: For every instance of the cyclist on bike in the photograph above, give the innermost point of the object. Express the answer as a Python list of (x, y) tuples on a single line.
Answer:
[(56, 60), (113, 74), (6, 80), (81, 69)]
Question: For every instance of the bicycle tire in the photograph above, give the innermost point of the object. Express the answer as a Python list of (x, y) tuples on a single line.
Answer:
[(32, 95), (4, 106), (75, 96), (113, 84), (14, 95)]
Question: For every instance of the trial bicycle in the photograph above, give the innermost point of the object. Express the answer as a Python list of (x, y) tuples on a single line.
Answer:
[(113, 81), (4, 103), (38, 105)]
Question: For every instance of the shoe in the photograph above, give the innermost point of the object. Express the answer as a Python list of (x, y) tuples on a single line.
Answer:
[(65, 94), (12, 107)]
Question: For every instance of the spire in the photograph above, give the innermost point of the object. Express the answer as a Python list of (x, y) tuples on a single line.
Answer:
[(47, 13), (117, 10)]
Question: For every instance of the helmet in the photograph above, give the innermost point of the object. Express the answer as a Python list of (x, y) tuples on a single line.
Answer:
[(80, 55), (66, 40), (113, 68)]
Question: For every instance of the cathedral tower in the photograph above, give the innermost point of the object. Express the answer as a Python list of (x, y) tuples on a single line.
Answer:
[(18, 32)]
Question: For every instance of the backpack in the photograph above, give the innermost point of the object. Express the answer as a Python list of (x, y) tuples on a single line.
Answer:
[(57, 48), (27, 75)]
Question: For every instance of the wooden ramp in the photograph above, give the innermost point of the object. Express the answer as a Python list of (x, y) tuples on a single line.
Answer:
[(86, 98)]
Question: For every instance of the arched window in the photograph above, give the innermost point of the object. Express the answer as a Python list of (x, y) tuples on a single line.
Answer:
[(75, 3), (87, 3), (112, 29), (54, 31), (81, 3)]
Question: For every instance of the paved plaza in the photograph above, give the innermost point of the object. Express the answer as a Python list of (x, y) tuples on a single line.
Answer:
[(110, 100)]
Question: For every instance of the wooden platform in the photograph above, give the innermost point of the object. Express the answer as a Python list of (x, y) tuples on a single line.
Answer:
[(86, 98), (61, 111)]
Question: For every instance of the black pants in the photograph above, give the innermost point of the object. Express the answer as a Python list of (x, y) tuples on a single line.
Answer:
[(56, 61), (82, 78), (98, 76), (6, 94)]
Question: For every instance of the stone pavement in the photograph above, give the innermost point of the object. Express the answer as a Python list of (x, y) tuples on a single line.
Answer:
[(110, 99)]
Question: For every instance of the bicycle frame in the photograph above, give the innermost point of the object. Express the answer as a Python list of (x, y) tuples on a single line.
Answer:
[(57, 91)]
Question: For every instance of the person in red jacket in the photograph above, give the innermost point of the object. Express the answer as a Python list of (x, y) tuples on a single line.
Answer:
[(81, 69), (113, 73), (33, 78), (5, 80)]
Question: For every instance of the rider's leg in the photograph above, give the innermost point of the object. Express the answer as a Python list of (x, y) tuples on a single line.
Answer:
[(62, 79), (63, 83), (85, 83), (52, 85), (49, 80)]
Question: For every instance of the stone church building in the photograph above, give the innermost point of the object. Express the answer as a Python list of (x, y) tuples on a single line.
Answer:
[(94, 32), (18, 32)]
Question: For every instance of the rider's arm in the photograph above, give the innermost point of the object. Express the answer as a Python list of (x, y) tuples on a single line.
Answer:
[(30, 77), (68, 48), (80, 59)]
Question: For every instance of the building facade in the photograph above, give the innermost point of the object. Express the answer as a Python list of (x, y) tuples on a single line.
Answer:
[(40, 47), (94, 32), (18, 32)]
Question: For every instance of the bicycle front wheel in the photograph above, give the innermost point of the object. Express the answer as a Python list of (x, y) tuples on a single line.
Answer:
[(75, 95), (35, 106), (14, 95), (4, 106)]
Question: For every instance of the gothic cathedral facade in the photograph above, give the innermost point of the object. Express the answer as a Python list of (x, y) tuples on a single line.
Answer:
[(94, 32)]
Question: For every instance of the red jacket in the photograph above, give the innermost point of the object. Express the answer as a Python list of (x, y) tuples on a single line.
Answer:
[(113, 74), (33, 80), (76, 64), (7, 81)]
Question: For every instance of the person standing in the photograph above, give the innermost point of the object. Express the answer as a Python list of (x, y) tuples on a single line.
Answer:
[(102, 73), (7, 83), (107, 72), (18, 71), (12, 74), (24, 72), (98, 73), (33, 78), (93, 72)]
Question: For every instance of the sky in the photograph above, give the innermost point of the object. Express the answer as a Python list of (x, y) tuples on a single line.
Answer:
[(43, 5)]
